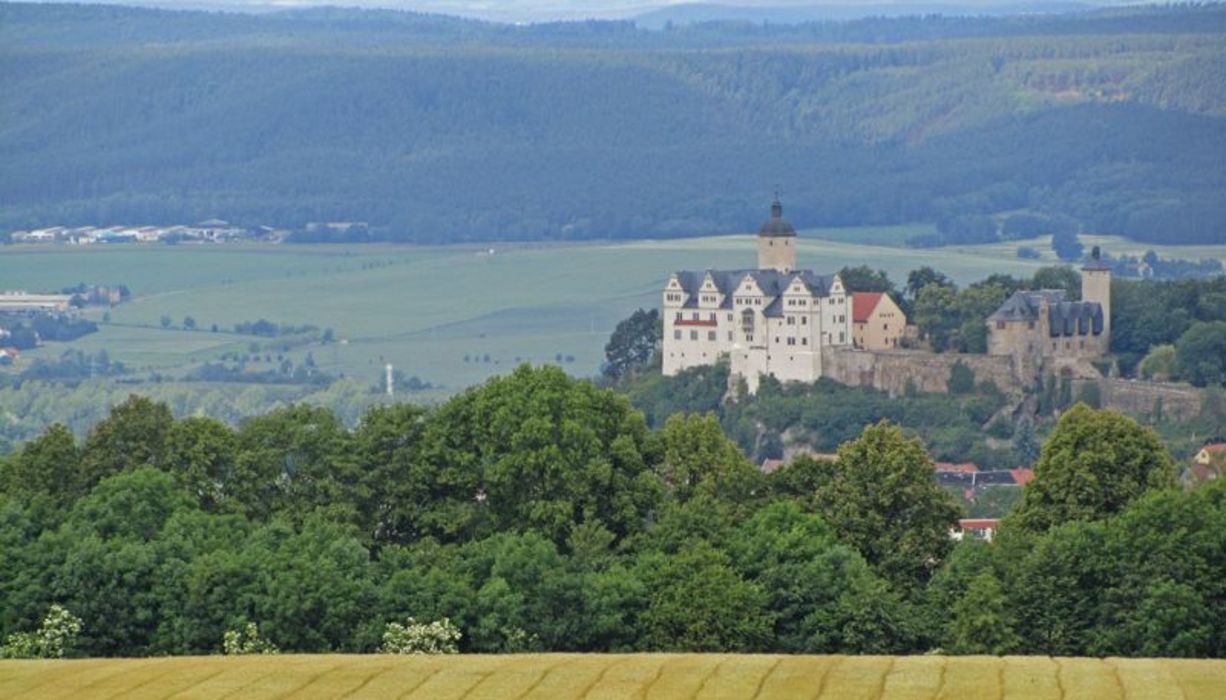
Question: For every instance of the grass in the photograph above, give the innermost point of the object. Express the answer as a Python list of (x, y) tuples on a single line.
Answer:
[(599, 677), (425, 308)]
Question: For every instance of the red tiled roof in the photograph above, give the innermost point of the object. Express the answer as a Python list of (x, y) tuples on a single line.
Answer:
[(862, 305), (964, 468), (1215, 448), (1201, 472), (1021, 477), (979, 523)]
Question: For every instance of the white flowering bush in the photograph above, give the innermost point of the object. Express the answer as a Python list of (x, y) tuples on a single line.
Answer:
[(246, 640), (53, 640), (438, 637)]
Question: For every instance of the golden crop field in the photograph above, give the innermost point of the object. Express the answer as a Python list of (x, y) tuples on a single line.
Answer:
[(609, 677)]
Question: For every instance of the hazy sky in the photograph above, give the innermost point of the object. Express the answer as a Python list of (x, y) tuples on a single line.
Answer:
[(537, 10)]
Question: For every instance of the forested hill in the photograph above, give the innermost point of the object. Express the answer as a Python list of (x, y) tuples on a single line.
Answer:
[(434, 128)]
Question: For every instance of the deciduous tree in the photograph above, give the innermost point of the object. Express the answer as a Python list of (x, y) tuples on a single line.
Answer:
[(1093, 465), (880, 497)]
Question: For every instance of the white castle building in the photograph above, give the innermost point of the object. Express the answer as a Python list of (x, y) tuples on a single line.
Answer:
[(771, 320)]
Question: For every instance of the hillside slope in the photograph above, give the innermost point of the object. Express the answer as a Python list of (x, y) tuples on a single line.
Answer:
[(648, 676), (435, 129)]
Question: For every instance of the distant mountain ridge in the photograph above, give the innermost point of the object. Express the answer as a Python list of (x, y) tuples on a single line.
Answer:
[(438, 129), (691, 13)]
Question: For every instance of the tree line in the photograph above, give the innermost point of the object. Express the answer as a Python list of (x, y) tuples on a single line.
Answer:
[(540, 512)]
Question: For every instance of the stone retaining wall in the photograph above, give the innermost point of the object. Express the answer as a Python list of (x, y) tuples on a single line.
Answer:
[(892, 371)]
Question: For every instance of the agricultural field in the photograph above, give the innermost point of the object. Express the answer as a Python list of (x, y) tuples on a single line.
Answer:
[(452, 316), (593, 677)]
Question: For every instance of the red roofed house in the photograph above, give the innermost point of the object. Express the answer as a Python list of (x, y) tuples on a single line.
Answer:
[(983, 528), (876, 321), (1023, 476), (1207, 465), (950, 467), (1211, 454)]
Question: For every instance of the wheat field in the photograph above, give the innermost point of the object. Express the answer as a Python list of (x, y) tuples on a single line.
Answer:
[(608, 677)]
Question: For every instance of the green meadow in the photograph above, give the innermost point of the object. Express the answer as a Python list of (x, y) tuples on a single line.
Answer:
[(614, 677), (437, 312)]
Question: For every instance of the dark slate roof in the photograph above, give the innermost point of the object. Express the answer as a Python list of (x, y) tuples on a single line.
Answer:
[(818, 284), (774, 309), (1024, 306), (1071, 318), (771, 282), (688, 280), (776, 226), (1065, 318)]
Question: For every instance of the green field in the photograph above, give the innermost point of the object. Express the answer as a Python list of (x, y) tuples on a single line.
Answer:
[(425, 309), (592, 677)]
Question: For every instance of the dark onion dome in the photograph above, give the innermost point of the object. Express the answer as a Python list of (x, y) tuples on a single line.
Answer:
[(1096, 260), (776, 226)]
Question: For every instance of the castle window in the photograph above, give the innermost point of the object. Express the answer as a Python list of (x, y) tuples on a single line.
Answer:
[(841, 337), (677, 334), (729, 318), (694, 315), (791, 341), (1000, 325), (679, 316), (730, 336), (710, 335), (804, 341), (1030, 325), (804, 320), (791, 320), (713, 319), (693, 335)]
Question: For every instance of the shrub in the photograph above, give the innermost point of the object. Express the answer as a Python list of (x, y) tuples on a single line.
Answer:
[(439, 637), (56, 637), (961, 379), (245, 641)]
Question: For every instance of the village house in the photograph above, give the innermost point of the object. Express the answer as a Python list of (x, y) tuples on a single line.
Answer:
[(979, 528), (9, 355), (877, 323), (770, 320), (13, 301), (1207, 464)]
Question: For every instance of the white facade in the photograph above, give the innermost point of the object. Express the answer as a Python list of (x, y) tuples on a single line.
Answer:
[(767, 321)]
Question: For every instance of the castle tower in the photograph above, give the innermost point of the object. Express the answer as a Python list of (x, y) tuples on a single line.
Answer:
[(1096, 286), (777, 242)]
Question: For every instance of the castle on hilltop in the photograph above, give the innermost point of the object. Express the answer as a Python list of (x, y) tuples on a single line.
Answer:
[(1043, 325), (772, 320), (797, 325)]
